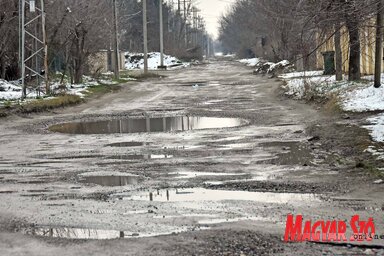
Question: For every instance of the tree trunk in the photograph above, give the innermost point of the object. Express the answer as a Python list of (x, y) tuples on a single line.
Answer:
[(338, 54), (379, 44), (354, 49)]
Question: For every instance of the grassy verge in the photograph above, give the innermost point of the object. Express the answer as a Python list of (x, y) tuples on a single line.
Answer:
[(139, 75), (59, 101), (41, 105)]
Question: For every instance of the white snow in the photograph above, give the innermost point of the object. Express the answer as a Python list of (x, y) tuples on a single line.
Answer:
[(282, 63), (301, 74), (11, 91), (136, 61), (320, 85), (376, 127), (250, 62), (363, 99)]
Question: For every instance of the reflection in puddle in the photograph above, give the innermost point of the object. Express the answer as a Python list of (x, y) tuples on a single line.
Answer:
[(82, 233), (128, 144), (135, 125), (218, 221), (140, 157), (110, 181), (189, 175), (200, 194)]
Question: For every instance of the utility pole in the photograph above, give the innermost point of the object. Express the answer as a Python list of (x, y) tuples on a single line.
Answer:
[(145, 36), (185, 24), (161, 34), (338, 53), (116, 41), (32, 28), (379, 44)]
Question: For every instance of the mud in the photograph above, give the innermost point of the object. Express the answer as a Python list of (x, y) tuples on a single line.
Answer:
[(232, 175)]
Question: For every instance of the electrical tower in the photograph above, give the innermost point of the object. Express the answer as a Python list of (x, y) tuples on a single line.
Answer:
[(33, 54)]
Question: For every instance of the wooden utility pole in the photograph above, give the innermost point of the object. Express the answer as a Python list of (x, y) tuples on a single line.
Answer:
[(185, 24), (338, 54), (145, 36), (161, 34), (379, 44), (116, 41)]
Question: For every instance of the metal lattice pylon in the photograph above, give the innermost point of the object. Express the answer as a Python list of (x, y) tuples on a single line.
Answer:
[(33, 45)]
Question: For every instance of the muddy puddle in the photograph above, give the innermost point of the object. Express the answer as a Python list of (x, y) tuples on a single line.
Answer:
[(191, 174), (138, 125), (203, 195), (110, 181), (128, 144), (140, 157), (90, 234), (293, 153), (195, 84)]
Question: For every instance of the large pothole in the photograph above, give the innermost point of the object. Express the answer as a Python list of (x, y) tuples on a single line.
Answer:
[(138, 125)]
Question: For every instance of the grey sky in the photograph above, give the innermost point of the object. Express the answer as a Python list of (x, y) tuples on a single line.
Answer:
[(212, 11)]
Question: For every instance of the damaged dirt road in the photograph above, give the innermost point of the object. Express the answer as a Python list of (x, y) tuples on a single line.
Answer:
[(204, 161)]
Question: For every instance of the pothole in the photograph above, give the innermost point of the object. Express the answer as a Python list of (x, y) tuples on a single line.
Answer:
[(289, 153), (137, 125), (140, 157), (110, 181), (203, 195), (195, 84), (191, 174), (128, 144), (92, 234)]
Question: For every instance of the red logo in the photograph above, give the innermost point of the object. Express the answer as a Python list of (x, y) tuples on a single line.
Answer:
[(296, 230)]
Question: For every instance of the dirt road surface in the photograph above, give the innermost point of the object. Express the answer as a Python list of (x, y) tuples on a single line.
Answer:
[(208, 160)]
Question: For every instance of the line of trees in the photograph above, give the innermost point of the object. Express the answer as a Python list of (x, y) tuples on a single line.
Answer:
[(292, 29), (78, 29)]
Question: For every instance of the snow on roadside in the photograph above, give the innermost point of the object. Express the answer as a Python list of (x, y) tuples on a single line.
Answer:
[(376, 127), (250, 62), (301, 74), (319, 85), (136, 61), (362, 99), (11, 91)]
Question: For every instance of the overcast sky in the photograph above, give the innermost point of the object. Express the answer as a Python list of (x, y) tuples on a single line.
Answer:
[(212, 10)]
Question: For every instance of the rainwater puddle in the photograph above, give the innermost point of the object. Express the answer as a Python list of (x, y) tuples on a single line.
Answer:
[(137, 125), (91, 234), (110, 181), (189, 175), (128, 144), (195, 84), (140, 157), (201, 195)]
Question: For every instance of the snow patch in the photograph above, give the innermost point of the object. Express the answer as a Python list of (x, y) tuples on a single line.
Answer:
[(376, 127), (136, 61), (364, 99), (250, 62)]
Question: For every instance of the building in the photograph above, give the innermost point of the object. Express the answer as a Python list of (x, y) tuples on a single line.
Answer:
[(367, 42), (102, 61)]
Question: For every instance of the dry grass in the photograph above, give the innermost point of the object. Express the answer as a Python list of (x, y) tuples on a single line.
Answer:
[(41, 105)]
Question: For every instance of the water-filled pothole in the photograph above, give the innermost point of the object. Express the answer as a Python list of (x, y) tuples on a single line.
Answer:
[(90, 234), (128, 144), (139, 157), (137, 125), (294, 153), (202, 195), (110, 181)]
